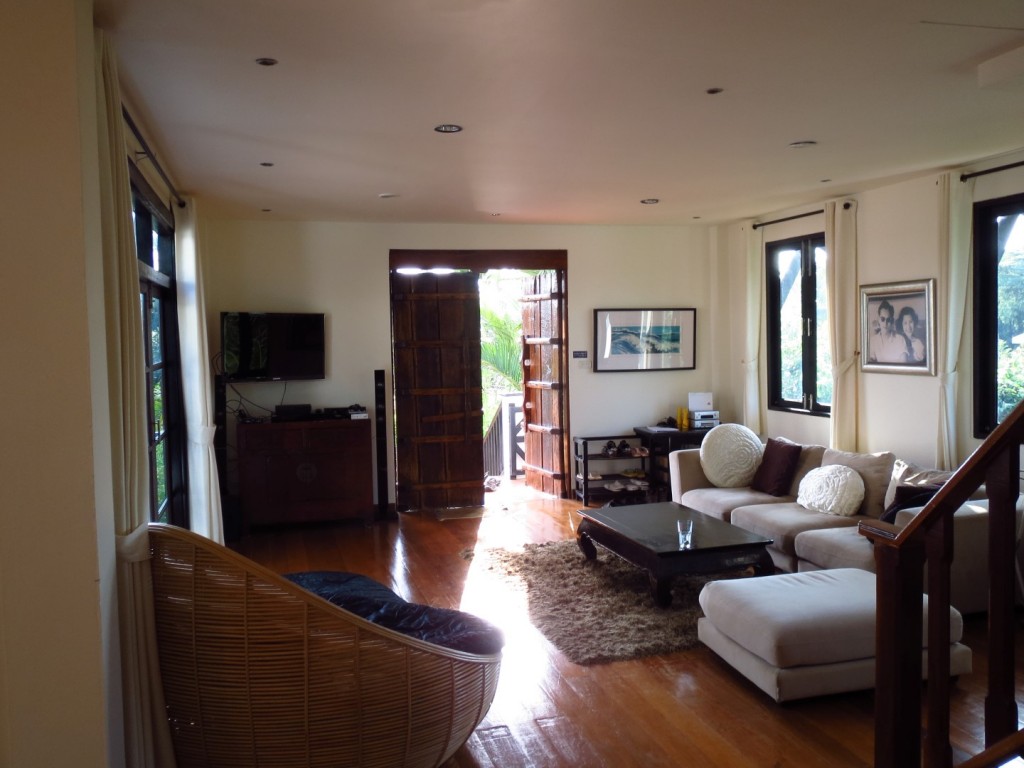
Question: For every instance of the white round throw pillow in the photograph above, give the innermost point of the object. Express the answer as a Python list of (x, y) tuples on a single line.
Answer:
[(834, 489), (730, 455)]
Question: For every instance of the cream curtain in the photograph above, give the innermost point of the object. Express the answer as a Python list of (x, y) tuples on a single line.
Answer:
[(841, 286), (956, 199), (204, 489), (147, 734), (753, 406)]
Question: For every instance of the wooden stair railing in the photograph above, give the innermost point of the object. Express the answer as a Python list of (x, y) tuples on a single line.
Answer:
[(900, 556)]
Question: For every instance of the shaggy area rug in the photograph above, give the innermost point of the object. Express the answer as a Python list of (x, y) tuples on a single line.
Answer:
[(596, 611)]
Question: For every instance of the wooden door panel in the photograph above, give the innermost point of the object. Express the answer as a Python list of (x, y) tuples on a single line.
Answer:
[(545, 399), (438, 400)]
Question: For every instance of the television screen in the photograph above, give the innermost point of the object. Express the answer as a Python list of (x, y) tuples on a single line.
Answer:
[(272, 346)]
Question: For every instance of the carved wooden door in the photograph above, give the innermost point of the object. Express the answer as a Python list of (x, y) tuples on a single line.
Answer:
[(435, 327), (545, 382)]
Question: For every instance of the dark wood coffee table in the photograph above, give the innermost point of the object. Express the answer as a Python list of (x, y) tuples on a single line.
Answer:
[(646, 536)]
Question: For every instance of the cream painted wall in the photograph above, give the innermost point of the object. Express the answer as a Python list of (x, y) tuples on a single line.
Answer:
[(635, 267), (342, 269), (898, 240), (727, 318), (53, 672)]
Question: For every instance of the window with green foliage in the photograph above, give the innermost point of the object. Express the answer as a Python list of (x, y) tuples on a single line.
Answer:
[(799, 352), (998, 310), (154, 241)]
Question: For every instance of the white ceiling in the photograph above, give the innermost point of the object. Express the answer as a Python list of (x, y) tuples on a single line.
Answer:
[(574, 110)]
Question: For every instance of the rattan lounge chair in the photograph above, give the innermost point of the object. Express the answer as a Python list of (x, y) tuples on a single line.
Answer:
[(259, 672)]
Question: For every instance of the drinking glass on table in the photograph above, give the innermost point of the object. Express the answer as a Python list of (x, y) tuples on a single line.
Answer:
[(685, 528)]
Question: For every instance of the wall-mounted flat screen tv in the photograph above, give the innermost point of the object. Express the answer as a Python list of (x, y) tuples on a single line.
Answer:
[(272, 346)]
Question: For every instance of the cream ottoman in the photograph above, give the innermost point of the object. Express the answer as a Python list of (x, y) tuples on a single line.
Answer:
[(796, 635)]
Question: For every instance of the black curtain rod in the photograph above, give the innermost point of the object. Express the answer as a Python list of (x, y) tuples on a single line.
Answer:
[(788, 218), (846, 207), (997, 169), (152, 158)]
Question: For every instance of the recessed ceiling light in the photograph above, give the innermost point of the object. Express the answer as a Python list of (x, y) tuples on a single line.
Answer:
[(387, 195), (714, 91), (650, 201), (495, 214), (448, 128), (266, 61), (802, 144)]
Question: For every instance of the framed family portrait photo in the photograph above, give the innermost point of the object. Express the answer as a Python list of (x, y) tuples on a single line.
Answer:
[(898, 327), (644, 339)]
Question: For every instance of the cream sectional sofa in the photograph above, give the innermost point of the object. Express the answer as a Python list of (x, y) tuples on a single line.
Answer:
[(780, 517), (968, 587), (808, 540)]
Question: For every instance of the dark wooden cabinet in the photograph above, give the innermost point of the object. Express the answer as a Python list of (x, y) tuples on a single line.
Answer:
[(660, 443), (305, 471)]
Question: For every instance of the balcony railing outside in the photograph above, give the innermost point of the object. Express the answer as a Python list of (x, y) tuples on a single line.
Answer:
[(504, 437)]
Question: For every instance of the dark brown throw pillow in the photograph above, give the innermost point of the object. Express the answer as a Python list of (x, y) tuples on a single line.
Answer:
[(778, 465), (909, 496)]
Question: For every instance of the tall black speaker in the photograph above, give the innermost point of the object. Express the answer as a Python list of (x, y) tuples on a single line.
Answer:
[(380, 419), (231, 515)]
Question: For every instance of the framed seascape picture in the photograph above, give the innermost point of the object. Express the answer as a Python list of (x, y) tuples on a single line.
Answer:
[(898, 327), (644, 339)]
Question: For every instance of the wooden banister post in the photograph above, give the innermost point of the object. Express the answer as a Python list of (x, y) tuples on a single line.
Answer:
[(899, 587), (938, 752), (1003, 485)]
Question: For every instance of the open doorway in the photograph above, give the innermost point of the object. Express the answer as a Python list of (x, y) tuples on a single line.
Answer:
[(437, 374), (501, 373), (524, 383)]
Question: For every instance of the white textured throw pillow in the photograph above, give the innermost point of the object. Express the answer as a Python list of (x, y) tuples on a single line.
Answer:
[(730, 455), (834, 489)]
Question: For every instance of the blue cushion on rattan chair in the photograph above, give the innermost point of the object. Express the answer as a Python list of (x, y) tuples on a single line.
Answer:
[(374, 602)]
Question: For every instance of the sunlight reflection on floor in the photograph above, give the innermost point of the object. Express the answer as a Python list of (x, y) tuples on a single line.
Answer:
[(399, 570), (502, 600)]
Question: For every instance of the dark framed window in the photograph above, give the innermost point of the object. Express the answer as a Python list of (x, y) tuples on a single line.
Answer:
[(154, 240), (799, 351), (998, 310)]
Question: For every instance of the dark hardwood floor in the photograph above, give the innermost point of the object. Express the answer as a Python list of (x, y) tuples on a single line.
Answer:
[(682, 709)]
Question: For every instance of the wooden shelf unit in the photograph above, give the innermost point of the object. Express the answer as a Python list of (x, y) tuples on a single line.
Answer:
[(587, 450)]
